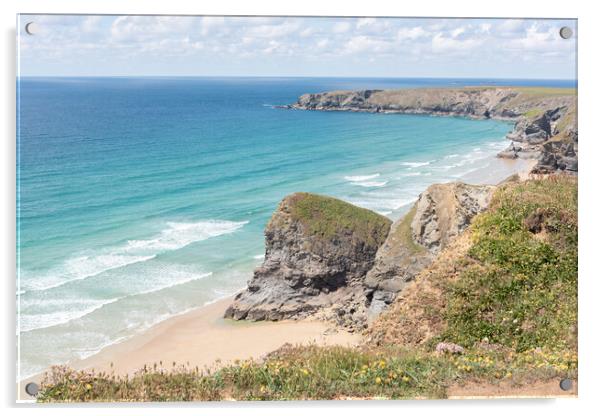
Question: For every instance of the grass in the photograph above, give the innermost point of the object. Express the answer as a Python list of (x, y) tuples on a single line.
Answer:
[(533, 113), (509, 298), (520, 291), (546, 91), (311, 372), (328, 218), (404, 230)]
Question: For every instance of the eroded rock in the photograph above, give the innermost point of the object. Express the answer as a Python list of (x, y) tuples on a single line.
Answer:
[(439, 215), (318, 249)]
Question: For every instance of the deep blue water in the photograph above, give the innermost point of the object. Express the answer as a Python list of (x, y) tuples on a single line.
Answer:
[(141, 198)]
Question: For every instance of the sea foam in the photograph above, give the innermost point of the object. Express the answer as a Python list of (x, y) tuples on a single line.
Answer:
[(360, 178), (370, 184), (69, 309), (416, 164), (175, 236)]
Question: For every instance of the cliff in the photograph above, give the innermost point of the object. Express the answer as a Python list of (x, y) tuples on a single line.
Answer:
[(441, 213), (508, 281), (332, 260), (540, 115), (317, 251)]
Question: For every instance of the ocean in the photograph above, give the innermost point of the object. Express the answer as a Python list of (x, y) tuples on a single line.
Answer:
[(142, 198)]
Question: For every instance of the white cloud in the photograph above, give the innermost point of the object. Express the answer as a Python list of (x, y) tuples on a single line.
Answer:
[(105, 41), (362, 44), (511, 26), (458, 31), (307, 32), (542, 39), (365, 21), (485, 27), (138, 28), (341, 27), (211, 23), (441, 44), (412, 33), (278, 30), (322, 43)]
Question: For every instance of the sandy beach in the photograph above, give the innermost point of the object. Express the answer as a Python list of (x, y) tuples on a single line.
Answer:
[(205, 339), (500, 169)]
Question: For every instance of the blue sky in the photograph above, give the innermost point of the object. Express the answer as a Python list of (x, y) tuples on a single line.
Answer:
[(292, 46)]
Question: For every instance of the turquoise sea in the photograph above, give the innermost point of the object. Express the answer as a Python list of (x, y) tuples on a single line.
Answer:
[(142, 198)]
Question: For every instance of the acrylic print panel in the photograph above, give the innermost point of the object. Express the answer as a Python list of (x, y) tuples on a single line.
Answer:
[(217, 208)]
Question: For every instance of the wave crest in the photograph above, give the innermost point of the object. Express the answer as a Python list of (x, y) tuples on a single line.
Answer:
[(361, 178), (175, 236)]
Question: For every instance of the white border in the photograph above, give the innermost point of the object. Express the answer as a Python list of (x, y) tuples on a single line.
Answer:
[(589, 197)]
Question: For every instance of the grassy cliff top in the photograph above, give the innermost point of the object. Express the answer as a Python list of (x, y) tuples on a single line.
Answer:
[(512, 280), (535, 91), (328, 217)]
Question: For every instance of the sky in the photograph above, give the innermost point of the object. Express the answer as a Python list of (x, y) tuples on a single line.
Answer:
[(86, 45)]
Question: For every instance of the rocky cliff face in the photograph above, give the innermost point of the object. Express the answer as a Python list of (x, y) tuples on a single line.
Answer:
[(317, 251), (329, 259), (559, 155), (441, 213), (541, 115)]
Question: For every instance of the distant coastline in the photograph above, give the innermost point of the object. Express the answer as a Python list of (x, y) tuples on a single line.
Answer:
[(545, 118)]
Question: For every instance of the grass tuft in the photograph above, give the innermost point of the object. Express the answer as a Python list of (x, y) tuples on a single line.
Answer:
[(328, 218)]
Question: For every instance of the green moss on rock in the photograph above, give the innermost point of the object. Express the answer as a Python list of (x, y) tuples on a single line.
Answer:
[(328, 218)]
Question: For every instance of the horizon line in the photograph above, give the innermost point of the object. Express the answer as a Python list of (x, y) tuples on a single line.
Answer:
[(294, 76)]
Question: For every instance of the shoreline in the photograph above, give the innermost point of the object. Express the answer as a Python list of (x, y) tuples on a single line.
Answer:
[(498, 170), (202, 337)]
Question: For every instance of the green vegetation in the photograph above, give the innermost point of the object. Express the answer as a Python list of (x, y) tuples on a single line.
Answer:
[(532, 91), (533, 113), (319, 373), (404, 231), (546, 91), (328, 217), (510, 299), (521, 289), (568, 120)]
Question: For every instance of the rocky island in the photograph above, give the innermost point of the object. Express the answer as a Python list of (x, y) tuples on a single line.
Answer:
[(544, 118)]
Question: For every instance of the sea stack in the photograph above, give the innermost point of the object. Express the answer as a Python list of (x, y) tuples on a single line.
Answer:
[(318, 249)]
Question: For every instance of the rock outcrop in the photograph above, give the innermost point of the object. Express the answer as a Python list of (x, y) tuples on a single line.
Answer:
[(441, 213), (559, 155), (329, 259), (541, 115), (318, 249)]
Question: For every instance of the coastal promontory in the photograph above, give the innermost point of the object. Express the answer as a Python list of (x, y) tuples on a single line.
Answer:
[(545, 122)]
